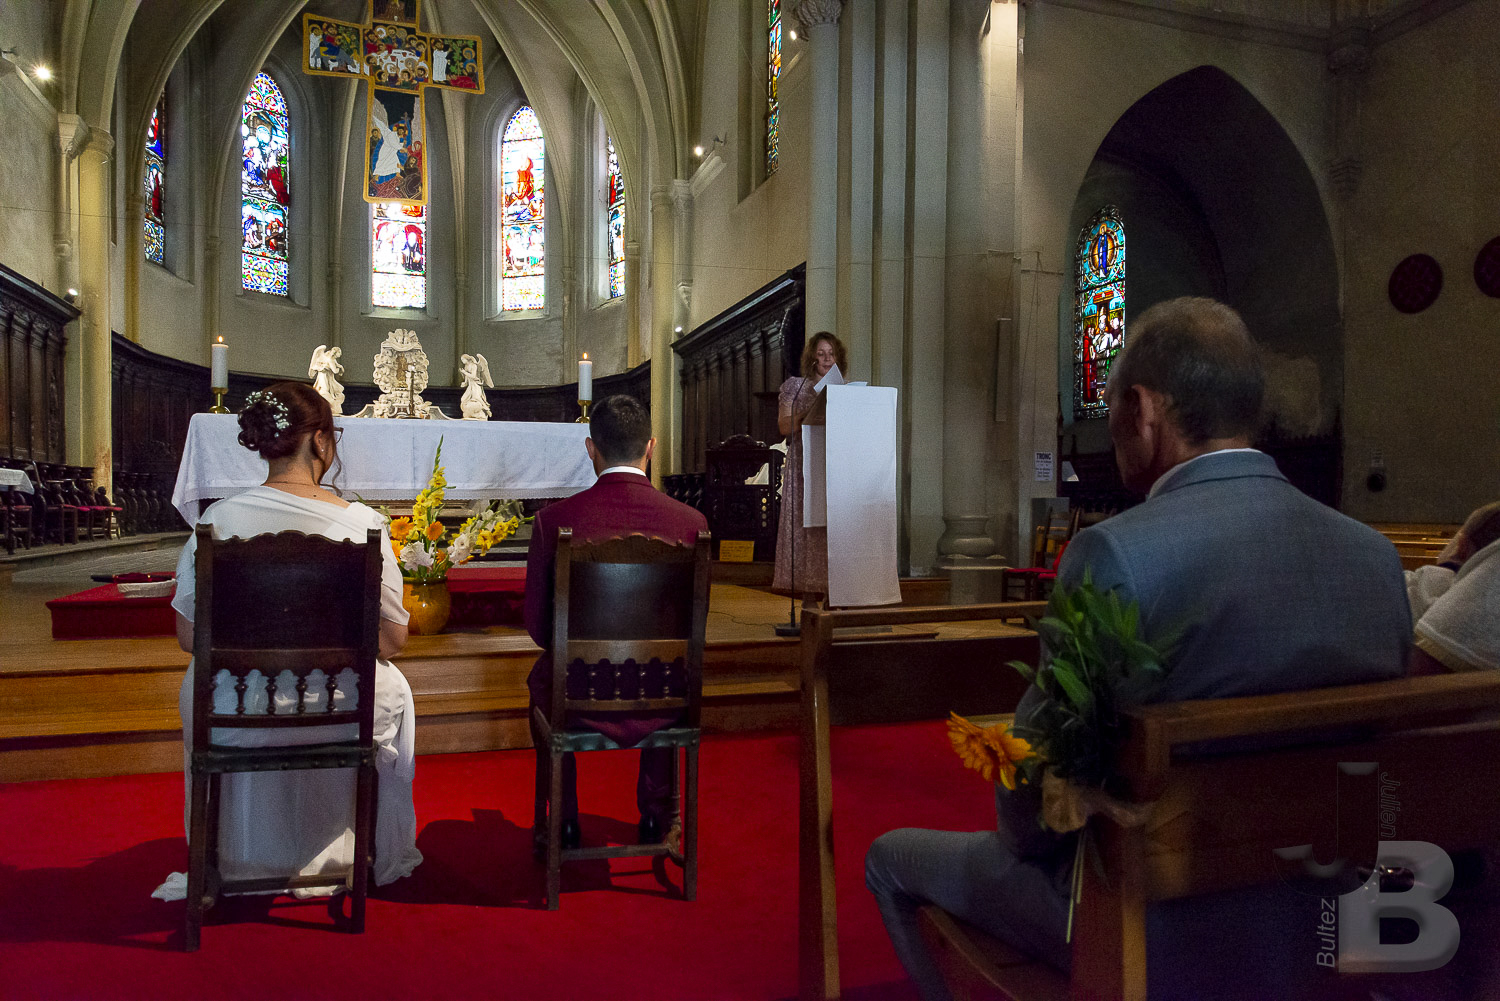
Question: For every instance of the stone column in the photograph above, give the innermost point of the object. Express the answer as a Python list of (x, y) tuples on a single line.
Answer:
[(820, 18), (682, 257), (635, 348), (972, 296), (663, 362), (89, 427)]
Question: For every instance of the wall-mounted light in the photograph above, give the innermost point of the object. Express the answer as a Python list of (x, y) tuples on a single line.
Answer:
[(697, 150), (42, 73), (72, 294), (792, 34), (676, 330)]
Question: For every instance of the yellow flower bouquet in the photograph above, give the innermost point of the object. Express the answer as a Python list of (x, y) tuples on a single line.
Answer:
[(422, 544)]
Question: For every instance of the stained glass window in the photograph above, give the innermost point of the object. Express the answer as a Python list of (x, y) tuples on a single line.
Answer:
[(156, 175), (523, 238), (616, 221), (398, 255), (773, 77), (265, 196), (1098, 309)]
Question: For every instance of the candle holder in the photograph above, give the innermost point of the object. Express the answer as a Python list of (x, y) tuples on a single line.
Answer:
[(218, 407), (583, 417)]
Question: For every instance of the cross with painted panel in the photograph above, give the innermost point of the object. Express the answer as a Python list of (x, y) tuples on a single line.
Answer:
[(400, 63)]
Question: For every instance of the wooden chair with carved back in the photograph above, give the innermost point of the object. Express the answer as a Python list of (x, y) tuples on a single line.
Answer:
[(265, 606), (629, 618), (1219, 818)]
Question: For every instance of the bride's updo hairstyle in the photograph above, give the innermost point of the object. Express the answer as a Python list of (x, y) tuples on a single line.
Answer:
[(274, 420)]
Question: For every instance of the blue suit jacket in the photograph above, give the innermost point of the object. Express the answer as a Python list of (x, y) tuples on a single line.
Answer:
[(1276, 592), (1272, 591)]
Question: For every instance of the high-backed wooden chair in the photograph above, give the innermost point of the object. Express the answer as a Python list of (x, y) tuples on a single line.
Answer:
[(629, 618), (273, 604), (1219, 818)]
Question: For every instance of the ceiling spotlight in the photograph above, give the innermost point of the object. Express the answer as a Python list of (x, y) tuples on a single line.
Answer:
[(43, 73), (697, 150)]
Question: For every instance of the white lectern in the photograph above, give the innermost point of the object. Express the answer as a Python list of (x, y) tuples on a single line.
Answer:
[(849, 485)]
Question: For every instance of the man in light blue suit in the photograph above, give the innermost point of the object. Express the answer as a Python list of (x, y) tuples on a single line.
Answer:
[(1273, 592)]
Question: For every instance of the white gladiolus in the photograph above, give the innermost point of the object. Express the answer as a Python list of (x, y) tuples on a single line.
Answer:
[(414, 556), (459, 551)]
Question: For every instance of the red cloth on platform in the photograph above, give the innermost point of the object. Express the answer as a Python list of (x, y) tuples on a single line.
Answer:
[(103, 612)]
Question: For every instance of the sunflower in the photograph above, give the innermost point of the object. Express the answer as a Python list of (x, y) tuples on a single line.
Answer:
[(992, 751)]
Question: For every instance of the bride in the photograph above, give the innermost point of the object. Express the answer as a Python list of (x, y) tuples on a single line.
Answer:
[(274, 824)]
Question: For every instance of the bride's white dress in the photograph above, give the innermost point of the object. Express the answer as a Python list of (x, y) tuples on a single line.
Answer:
[(301, 822)]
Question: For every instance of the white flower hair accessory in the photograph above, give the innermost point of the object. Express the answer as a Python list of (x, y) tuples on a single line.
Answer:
[(278, 408)]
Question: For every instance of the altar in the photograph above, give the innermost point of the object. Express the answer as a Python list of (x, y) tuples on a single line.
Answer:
[(384, 460)]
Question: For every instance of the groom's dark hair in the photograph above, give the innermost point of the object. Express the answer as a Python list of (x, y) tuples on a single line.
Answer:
[(620, 427)]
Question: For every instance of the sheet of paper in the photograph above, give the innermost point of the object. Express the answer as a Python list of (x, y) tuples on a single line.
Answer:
[(861, 496), (833, 378), (814, 476)]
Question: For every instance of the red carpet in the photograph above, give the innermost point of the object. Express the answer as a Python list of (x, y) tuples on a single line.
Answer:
[(78, 861)]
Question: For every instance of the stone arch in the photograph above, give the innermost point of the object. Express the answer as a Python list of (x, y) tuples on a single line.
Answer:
[(1217, 200)]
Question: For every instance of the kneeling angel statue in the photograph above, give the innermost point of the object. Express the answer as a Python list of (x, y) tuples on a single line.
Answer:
[(322, 370), (476, 375)]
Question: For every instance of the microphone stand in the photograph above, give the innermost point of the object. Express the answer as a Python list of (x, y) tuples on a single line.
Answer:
[(792, 627)]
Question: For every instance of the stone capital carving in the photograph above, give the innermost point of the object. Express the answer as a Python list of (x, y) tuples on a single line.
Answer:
[(811, 12), (72, 135), (99, 142)]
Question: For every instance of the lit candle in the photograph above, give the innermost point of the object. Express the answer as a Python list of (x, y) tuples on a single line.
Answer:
[(220, 355), (585, 378)]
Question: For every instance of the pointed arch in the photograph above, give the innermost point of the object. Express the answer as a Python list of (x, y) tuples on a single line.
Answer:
[(265, 188), (523, 212)]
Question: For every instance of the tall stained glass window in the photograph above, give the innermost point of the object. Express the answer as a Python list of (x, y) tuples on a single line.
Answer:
[(398, 255), (264, 193), (615, 235), (156, 177), (523, 206), (773, 78), (1098, 309)]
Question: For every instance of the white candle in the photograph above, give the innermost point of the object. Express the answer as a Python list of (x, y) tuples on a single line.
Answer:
[(585, 378), (220, 354)]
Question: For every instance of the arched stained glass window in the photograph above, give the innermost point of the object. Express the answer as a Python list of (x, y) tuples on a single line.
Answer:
[(615, 232), (265, 195), (156, 178), (1098, 309), (523, 209), (398, 255), (773, 78)]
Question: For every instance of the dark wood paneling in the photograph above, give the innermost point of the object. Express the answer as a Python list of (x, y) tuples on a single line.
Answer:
[(33, 341), (734, 364)]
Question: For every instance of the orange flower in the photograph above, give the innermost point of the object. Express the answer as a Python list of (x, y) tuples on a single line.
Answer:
[(434, 530), (440, 558), (396, 548), (400, 529), (992, 751)]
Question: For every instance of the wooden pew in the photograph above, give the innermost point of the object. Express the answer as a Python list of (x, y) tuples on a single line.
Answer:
[(1219, 818), (869, 681), (1417, 543)]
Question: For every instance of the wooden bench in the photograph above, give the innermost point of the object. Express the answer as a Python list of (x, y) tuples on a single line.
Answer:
[(870, 680), (1220, 817), (1417, 543)]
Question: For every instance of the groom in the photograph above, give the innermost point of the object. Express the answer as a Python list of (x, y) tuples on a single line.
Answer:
[(622, 502)]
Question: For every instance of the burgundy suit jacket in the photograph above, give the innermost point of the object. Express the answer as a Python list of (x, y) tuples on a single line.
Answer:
[(618, 504)]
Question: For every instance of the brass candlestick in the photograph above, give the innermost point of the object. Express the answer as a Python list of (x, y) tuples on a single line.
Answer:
[(218, 407), (583, 418)]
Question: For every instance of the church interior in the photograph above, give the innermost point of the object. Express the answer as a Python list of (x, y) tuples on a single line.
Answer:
[(496, 214)]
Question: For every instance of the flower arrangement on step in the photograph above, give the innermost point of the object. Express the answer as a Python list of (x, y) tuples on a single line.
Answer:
[(1069, 741), (422, 544)]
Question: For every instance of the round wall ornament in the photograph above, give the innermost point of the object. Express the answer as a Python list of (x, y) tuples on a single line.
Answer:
[(1415, 283), (1487, 268)]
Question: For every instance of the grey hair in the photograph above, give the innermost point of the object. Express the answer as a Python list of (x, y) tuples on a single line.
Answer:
[(1198, 352)]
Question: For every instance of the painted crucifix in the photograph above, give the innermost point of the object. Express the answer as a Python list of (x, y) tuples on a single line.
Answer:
[(400, 63)]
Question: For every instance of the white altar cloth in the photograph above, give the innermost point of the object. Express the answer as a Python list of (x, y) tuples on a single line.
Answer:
[(15, 478), (392, 460)]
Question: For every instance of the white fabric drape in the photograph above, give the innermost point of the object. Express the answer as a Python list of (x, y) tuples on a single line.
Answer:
[(301, 822), (392, 460), (861, 484)]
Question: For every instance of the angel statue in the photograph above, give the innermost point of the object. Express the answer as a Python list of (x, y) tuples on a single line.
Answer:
[(476, 375), (322, 371)]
